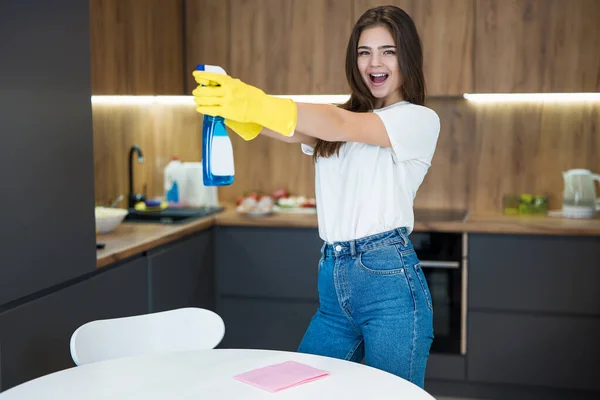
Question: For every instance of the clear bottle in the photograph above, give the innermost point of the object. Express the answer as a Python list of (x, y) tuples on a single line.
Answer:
[(217, 150), (171, 178)]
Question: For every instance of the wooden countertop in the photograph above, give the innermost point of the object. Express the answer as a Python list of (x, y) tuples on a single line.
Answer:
[(134, 238), (131, 238)]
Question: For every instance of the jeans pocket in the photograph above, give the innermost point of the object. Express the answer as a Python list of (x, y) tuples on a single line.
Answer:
[(385, 260), (321, 262), (424, 286)]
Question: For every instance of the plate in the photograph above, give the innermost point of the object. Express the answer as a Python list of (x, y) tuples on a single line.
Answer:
[(295, 210), (255, 212)]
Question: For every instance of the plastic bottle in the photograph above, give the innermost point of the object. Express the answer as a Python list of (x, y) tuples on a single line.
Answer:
[(217, 150), (171, 173)]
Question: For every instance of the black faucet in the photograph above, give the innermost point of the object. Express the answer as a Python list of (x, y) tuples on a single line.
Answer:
[(134, 198)]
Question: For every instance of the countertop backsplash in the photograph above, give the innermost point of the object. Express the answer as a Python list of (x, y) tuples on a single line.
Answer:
[(484, 152)]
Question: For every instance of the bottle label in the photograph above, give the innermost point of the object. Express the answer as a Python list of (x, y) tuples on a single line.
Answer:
[(221, 162)]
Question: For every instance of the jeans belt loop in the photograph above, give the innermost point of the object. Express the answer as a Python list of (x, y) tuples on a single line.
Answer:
[(401, 232), (353, 248)]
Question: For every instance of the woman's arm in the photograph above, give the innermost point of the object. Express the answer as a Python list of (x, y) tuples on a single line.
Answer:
[(233, 99), (296, 138), (334, 124)]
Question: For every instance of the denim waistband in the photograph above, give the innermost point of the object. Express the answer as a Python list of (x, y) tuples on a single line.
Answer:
[(398, 235)]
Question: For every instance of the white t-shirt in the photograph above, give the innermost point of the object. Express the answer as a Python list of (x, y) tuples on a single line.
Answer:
[(370, 189)]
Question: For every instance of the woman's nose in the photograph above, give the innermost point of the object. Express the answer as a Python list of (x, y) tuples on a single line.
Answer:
[(375, 61)]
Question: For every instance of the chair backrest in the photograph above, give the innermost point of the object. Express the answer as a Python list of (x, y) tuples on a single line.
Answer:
[(173, 330)]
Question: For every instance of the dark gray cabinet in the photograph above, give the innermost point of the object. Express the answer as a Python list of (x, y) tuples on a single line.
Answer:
[(531, 273), (264, 323), (448, 367), (534, 311), (47, 234), (535, 350), (267, 285), (182, 274), (35, 336), (268, 262)]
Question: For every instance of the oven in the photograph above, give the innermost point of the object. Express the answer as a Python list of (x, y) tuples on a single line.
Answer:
[(443, 260)]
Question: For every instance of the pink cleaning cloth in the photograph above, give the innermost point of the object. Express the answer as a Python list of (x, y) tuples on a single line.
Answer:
[(274, 378)]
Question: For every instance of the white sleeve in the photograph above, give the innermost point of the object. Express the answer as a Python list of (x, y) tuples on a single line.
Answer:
[(413, 131), (308, 150)]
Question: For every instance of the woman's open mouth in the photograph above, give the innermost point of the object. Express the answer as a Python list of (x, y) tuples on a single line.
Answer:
[(378, 79)]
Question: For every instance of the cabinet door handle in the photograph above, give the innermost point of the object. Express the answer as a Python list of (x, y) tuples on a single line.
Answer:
[(440, 264)]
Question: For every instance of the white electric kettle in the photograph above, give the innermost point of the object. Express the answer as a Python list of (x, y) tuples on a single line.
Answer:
[(579, 197)]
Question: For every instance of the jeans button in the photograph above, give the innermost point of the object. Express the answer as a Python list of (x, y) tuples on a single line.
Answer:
[(338, 248)]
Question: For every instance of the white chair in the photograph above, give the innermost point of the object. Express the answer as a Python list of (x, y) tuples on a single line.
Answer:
[(173, 330)]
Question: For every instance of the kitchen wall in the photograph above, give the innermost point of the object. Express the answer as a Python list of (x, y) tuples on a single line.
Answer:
[(166, 130), (484, 151), (474, 46)]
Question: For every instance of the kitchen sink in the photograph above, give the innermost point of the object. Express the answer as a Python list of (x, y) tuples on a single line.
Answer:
[(171, 215)]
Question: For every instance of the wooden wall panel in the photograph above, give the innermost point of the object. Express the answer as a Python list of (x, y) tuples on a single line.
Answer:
[(290, 47), (524, 148), (265, 165), (447, 184), (446, 28), (163, 131), (160, 131), (136, 47), (207, 25), (537, 46), (484, 152)]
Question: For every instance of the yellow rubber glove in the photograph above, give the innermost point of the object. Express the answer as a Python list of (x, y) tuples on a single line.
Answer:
[(247, 130), (224, 96)]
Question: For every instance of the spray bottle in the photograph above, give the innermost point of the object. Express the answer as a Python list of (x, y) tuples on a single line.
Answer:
[(217, 151)]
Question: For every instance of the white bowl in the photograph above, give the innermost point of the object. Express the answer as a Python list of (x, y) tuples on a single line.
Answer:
[(107, 219)]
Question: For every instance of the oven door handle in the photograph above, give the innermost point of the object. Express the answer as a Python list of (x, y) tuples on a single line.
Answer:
[(440, 264)]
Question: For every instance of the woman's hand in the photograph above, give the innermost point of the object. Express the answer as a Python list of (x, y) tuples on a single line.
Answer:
[(232, 99)]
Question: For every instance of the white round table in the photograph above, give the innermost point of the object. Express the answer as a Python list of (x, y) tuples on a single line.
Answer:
[(208, 374)]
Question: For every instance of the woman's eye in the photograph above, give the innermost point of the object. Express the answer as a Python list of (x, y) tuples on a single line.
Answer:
[(363, 53), (389, 52)]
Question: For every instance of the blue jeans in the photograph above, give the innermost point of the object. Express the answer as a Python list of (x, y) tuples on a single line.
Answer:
[(374, 305)]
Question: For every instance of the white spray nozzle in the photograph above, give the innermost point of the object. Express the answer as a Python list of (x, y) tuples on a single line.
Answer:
[(211, 68)]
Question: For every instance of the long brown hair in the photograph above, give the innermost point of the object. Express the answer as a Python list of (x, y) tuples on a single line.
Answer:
[(410, 61)]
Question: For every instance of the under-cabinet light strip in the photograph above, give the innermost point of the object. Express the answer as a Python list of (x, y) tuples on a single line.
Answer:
[(189, 100), (102, 99), (531, 97), (339, 99)]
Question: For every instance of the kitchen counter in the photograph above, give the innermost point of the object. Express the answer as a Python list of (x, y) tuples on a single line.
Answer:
[(131, 238), (134, 238)]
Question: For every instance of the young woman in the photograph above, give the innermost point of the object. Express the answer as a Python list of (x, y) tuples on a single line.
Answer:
[(371, 155)]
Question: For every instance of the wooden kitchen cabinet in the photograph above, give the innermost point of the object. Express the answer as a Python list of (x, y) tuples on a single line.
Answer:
[(446, 30), (207, 35), (537, 46), (35, 336), (290, 46), (299, 46), (137, 47), (182, 274)]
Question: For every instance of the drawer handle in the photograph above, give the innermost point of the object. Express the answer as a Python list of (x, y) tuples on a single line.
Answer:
[(440, 264)]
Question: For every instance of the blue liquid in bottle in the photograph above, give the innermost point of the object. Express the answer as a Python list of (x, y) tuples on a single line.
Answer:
[(217, 151)]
